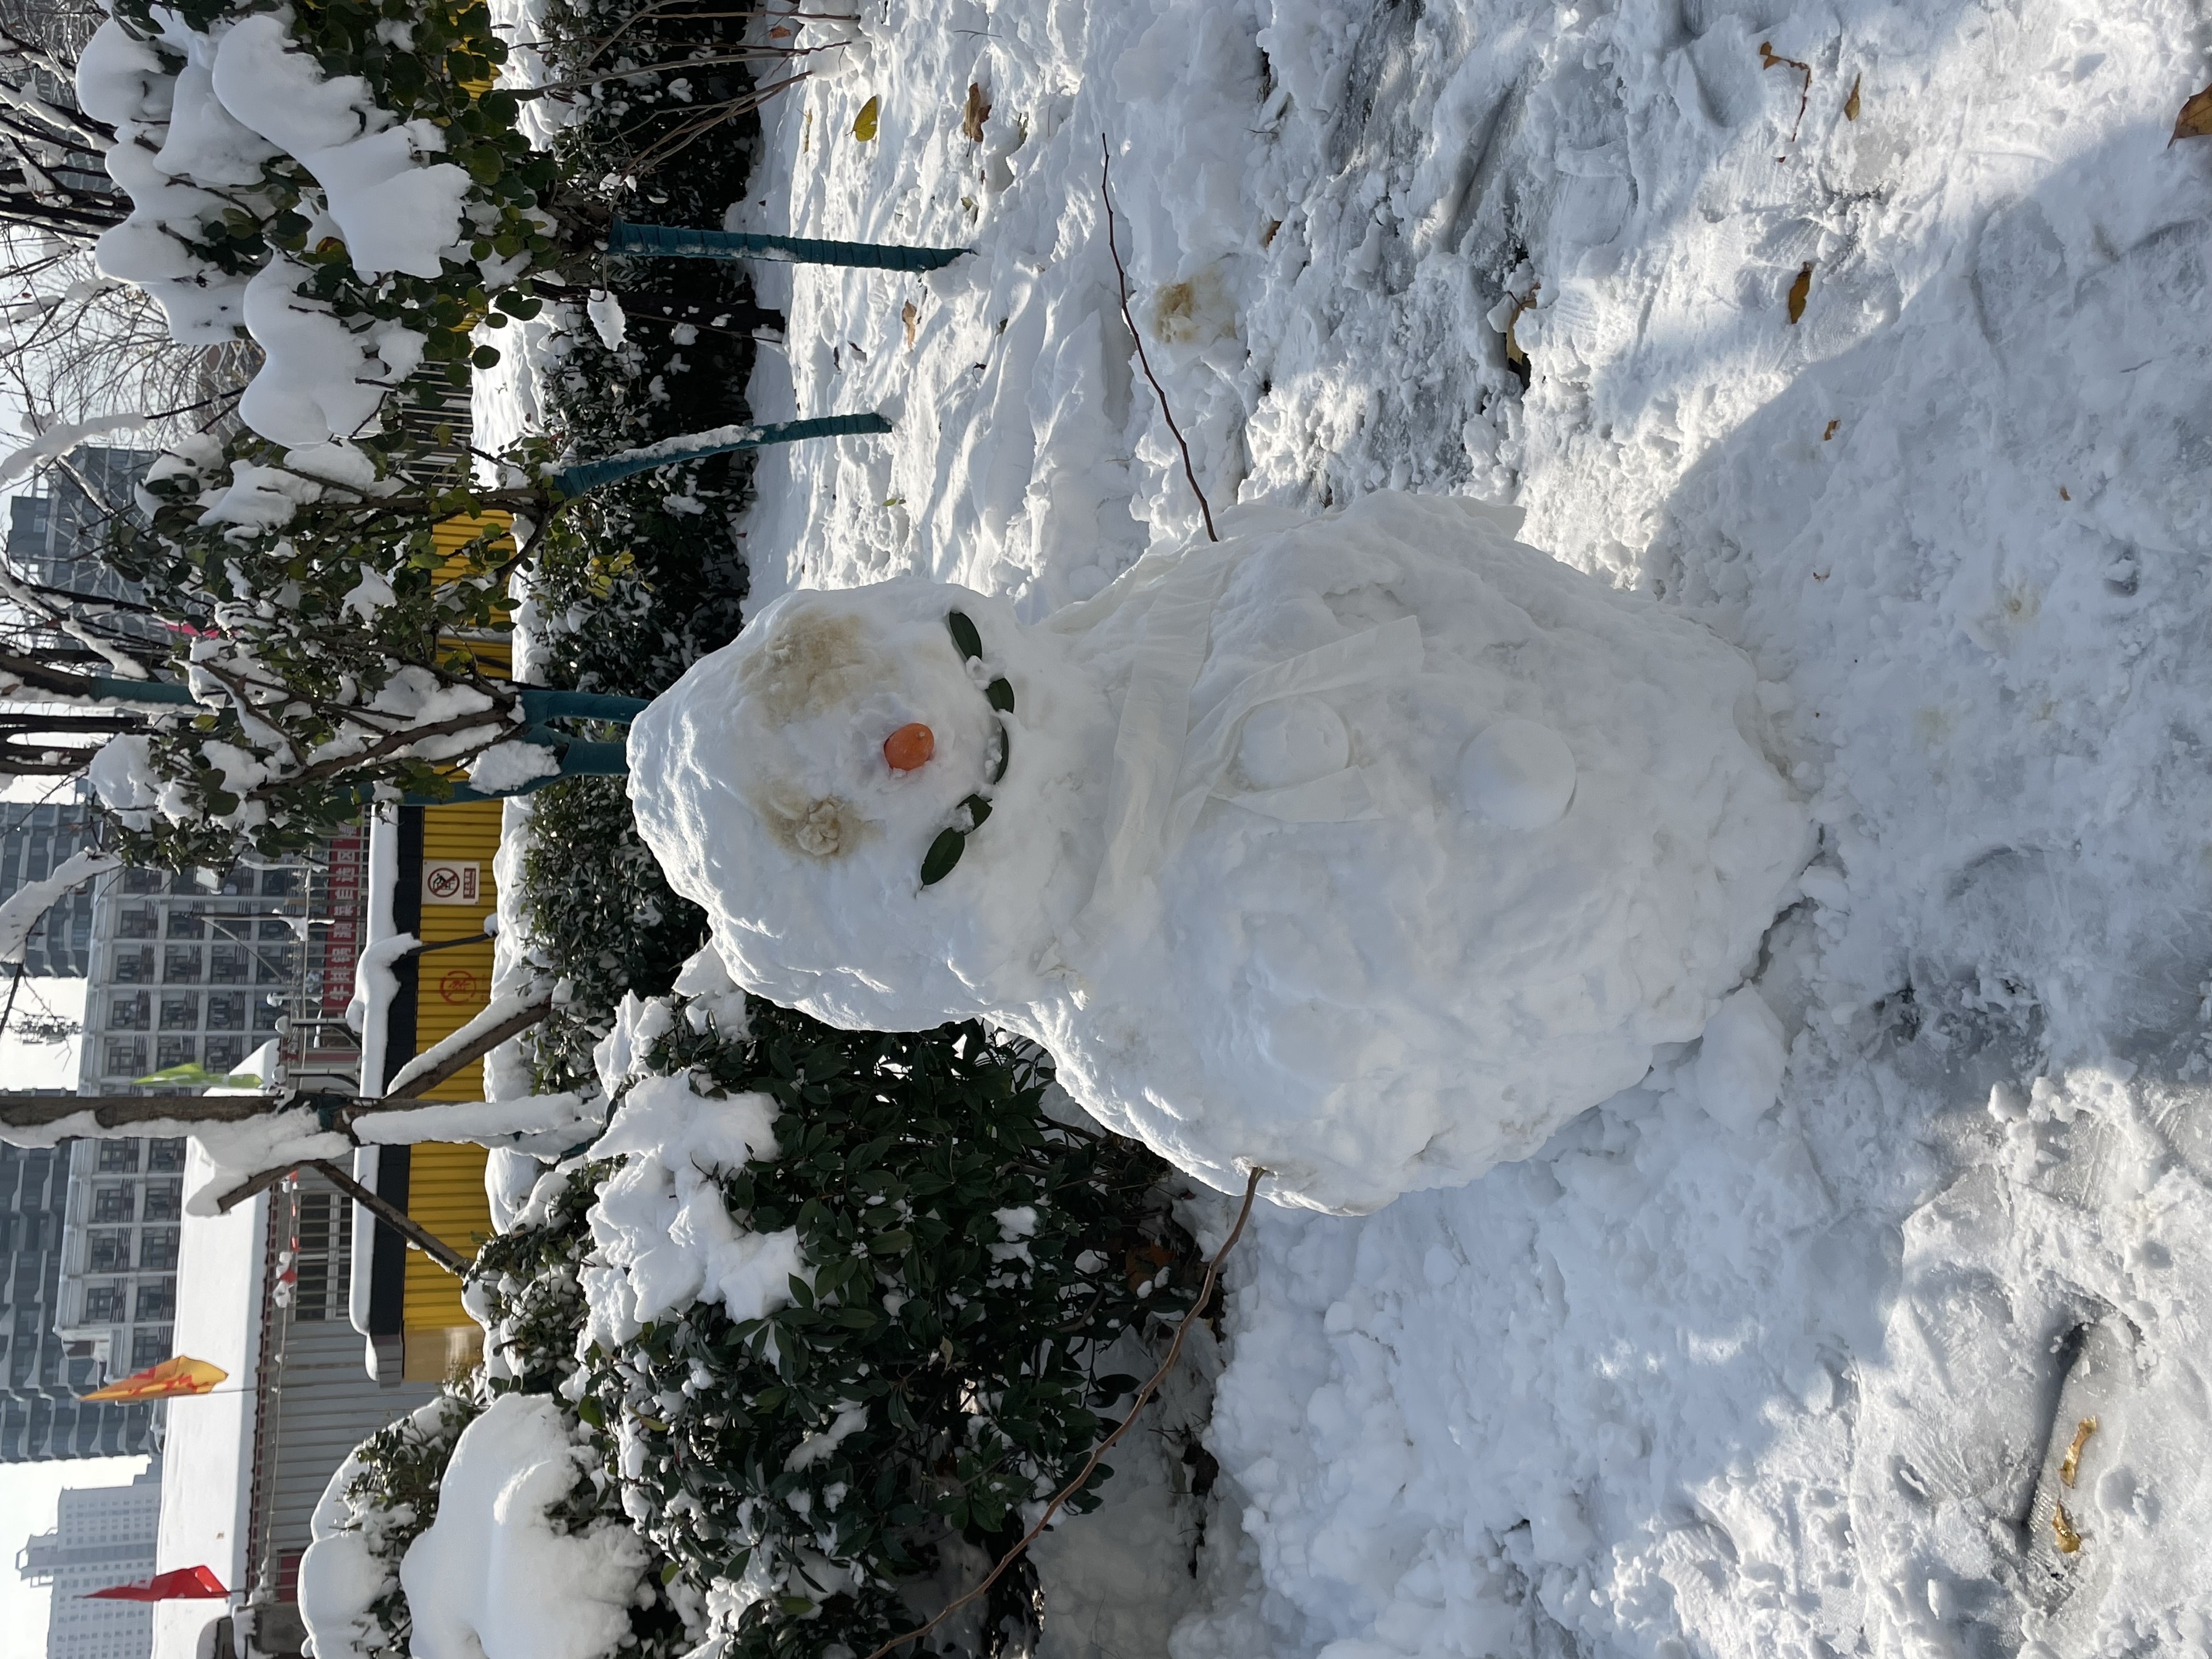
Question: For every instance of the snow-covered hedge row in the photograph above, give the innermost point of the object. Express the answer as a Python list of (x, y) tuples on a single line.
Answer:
[(343, 183), (831, 1305)]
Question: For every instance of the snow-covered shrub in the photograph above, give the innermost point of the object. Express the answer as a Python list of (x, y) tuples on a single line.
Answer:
[(343, 182), (481, 1526), (313, 621), (381, 1498), (824, 1456)]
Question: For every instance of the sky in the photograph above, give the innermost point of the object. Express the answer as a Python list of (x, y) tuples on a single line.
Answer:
[(28, 1493)]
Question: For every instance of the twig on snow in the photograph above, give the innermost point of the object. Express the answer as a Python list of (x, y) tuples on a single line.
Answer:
[(1105, 189)]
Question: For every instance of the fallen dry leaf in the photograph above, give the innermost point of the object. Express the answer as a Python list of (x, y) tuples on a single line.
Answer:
[(1769, 59), (1830, 432), (2062, 1529), (2195, 120), (2070, 1465), (863, 124), (779, 33), (1851, 103), (909, 316), (1800, 290), (2063, 495), (977, 113), (1513, 354)]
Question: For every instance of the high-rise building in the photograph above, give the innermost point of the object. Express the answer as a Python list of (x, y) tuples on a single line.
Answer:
[(33, 840), (103, 1536), (40, 1415), (116, 1301)]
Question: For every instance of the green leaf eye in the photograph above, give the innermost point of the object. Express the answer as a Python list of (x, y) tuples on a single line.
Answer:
[(944, 852), (964, 635)]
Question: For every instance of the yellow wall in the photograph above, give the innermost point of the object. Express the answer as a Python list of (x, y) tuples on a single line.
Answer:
[(445, 1183)]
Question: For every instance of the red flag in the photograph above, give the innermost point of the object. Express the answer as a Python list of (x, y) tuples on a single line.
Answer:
[(179, 1584)]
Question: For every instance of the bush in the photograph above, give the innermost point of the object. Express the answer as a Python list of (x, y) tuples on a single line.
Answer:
[(822, 1474), (601, 915)]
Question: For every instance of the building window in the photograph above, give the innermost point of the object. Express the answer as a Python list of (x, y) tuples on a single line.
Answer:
[(135, 967), (149, 1347), (157, 1248), (223, 1052), (227, 964), (126, 1057), (165, 1200), (142, 881), (112, 1202), (181, 1010), (175, 1051), (130, 1013), (158, 1300), (239, 881), (138, 921), (274, 884), (166, 1154), (107, 1250), (181, 964), (276, 929), (103, 1303), (186, 922), (119, 1156), (226, 1010)]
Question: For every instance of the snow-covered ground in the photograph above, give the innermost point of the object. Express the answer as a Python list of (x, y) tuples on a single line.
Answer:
[(1670, 1386), (1874, 337)]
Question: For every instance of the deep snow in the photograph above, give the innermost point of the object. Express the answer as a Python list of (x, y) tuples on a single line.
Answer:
[(1689, 1380)]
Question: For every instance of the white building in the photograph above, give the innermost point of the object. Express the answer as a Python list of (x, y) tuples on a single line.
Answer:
[(102, 1536)]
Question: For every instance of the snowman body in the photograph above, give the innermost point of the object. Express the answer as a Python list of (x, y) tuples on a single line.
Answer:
[(1367, 849)]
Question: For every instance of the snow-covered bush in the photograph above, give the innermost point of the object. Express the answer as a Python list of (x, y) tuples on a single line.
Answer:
[(313, 623), (381, 1498), (343, 183), (481, 1526), (823, 1455)]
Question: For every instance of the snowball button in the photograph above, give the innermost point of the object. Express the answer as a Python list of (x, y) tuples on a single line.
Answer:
[(1518, 775), (1291, 742), (1243, 839)]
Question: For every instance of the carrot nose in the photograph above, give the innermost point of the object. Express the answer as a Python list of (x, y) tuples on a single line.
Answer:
[(909, 747)]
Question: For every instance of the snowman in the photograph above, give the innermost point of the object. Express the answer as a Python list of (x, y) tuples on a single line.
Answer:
[(1366, 849)]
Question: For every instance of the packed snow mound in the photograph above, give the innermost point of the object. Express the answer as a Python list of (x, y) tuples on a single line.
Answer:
[(1367, 848), (492, 1578)]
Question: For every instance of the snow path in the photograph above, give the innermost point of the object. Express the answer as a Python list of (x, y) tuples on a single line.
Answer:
[(1666, 1389)]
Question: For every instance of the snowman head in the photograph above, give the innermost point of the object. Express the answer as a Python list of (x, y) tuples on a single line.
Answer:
[(872, 793)]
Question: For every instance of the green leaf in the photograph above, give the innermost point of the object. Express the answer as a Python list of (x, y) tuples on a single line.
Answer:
[(964, 635), (944, 852), (1000, 693)]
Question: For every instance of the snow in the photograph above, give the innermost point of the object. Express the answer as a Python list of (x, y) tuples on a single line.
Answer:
[(347, 1566), (26, 906), (1686, 1380), (58, 439), (506, 766), (663, 1237), (1424, 985), (495, 1012), (491, 1578)]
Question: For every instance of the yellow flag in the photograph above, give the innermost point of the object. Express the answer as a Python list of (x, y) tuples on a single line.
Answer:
[(180, 1374)]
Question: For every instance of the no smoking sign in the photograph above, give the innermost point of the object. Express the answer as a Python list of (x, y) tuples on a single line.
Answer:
[(451, 883)]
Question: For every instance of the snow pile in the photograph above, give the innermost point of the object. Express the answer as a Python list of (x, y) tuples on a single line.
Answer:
[(665, 1237), (494, 1578), (1468, 833)]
